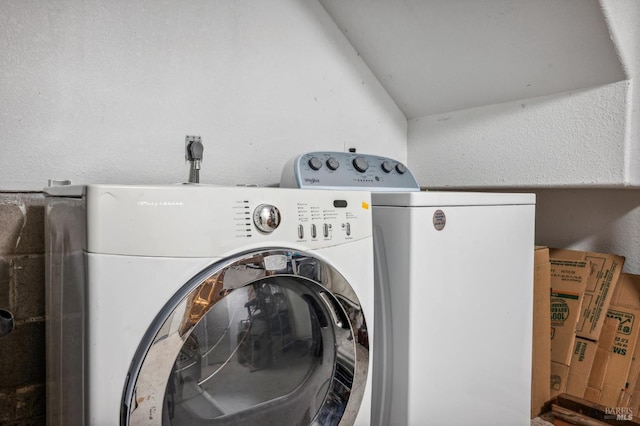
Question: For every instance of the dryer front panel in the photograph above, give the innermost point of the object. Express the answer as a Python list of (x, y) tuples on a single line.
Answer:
[(268, 337)]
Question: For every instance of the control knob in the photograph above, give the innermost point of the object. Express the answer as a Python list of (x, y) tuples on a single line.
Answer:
[(386, 166), (360, 164), (400, 168), (315, 163), (332, 163), (266, 217)]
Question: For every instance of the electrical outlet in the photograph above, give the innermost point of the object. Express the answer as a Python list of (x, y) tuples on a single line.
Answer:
[(350, 147)]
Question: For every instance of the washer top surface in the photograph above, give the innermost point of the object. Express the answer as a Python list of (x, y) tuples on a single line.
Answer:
[(447, 198)]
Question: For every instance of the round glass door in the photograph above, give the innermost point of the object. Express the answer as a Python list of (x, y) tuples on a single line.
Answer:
[(273, 337)]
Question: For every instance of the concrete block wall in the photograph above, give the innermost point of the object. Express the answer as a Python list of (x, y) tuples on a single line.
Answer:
[(22, 292)]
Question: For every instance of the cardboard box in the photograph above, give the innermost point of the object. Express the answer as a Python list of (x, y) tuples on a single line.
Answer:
[(625, 311), (587, 358), (609, 381), (603, 353), (584, 353), (559, 375), (541, 353), (633, 385), (604, 271), (592, 394), (634, 399), (568, 282)]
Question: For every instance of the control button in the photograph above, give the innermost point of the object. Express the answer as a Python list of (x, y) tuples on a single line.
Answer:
[(386, 166), (332, 163), (266, 217), (313, 230), (315, 163), (300, 231), (348, 228), (325, 230), (340, 204), (360, 164), (400, 168)]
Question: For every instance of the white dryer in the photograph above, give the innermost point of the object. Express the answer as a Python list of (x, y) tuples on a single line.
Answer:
[(207, 305), (454, 293)]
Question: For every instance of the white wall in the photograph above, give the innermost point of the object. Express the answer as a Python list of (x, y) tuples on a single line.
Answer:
[(568, 139), (601, 220), (624, 23), (97, 91), (577, 138), (588, 138)]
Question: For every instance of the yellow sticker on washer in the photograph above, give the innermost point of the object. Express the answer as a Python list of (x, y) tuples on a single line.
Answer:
[(365, 205)]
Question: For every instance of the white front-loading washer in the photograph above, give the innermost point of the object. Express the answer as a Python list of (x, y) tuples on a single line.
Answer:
[(195, 304)]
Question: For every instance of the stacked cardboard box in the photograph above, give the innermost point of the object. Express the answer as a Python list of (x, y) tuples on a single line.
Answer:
[(584, 356), (582, 285), (609, 381), (568, 281), (595, 343), (541, 355)]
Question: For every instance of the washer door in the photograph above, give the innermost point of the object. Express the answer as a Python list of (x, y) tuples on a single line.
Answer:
[(269, 337)]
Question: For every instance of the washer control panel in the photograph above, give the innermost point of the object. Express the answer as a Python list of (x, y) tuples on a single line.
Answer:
[(347, 170)]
